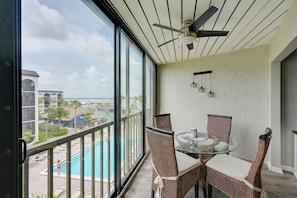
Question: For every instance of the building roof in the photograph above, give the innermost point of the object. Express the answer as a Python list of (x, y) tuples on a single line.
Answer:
[(29, 73), (49, 91)]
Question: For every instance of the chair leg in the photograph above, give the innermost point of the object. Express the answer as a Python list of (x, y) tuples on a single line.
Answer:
[(209, 191), (197, 190), (152, 193), (204, 192)]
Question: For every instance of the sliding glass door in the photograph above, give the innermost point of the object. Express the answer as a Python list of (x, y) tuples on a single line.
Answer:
[(131, 100), (67, 85)]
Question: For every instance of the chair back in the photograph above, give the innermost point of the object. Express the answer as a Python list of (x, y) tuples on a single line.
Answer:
[(161, 144), (219, 126), (254, 176), (163, 121)]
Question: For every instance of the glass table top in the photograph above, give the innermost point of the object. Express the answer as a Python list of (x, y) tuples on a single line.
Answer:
[(203, 144)]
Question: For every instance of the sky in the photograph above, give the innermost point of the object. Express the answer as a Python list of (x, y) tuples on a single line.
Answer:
[(69, 47)]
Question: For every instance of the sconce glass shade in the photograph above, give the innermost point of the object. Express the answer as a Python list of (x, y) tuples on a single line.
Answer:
[(193, 84), (201, 89), (210, 94)]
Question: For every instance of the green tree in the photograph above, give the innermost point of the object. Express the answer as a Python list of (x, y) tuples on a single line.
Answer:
[(87, 118), (40, 100), (27, 136), (50, 114), (49, 100), (62, 102), (138, 99), (61, 113), (75, 104), (133, 107)]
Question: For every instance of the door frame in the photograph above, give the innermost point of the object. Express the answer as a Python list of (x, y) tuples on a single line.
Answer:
[(274, 163), (10, 100)]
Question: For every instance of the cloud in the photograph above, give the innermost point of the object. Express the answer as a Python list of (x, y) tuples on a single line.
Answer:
[(43, 22), (68, 55), (98, 45), (92, 83)]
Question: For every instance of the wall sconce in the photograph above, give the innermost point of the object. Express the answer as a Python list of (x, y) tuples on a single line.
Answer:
[(202, 89), (210, 93), (193, 84)]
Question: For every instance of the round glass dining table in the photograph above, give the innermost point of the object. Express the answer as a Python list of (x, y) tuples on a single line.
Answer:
[(203, 144)]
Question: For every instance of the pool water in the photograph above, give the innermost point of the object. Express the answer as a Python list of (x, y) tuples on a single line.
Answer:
[(75, 160)]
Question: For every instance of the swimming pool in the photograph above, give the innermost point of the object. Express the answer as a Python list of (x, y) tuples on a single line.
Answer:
[(75, 160)]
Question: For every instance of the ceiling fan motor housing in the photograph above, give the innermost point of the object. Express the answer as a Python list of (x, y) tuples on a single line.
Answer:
[(185, 35)]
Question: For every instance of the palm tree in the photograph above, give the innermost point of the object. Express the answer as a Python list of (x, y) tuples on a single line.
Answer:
[(48, 101), (138, 99), (63, 103), (87, 118), (133, 107), (51, 113), (75, 104), (61, 113)]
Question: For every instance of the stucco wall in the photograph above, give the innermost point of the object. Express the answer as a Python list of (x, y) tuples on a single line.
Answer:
[(240, 81), (282, 45)]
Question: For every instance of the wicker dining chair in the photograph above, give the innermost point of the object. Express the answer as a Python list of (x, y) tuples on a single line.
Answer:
[(174, 173), (163, 121), (236, 177), (219, 126)]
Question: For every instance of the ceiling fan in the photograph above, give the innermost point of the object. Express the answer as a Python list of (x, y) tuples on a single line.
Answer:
[(190, 30)]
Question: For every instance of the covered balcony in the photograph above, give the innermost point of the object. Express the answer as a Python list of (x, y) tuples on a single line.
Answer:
[(252, 79)]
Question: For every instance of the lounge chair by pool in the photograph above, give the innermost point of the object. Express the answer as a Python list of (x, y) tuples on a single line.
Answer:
[(58, 192)]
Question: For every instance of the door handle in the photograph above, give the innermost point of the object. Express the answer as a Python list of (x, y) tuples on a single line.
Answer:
[(24, 150), (294, 132)]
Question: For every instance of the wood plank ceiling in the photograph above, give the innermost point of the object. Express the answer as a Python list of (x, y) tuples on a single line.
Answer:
[(250, 23)]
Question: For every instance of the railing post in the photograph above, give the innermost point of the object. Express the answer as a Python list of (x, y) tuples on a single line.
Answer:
[(26, 178), (50, 174), (68, 169), (101, 162), (93, 165), (108, 162), (82, 166)]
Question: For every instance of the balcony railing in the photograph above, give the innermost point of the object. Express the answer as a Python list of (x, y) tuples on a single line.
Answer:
[(91, 153)]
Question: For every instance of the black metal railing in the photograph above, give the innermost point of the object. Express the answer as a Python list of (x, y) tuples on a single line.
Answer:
[(41, 177)]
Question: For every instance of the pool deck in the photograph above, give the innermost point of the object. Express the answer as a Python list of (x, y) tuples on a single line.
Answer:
[(38, 180)]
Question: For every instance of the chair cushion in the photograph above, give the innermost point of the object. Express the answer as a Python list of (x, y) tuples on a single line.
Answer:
[(230, 166), (185, 163)]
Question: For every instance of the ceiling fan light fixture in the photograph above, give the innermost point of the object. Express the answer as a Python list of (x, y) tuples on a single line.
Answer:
[(190, 30), (186, 36), (187, 40)]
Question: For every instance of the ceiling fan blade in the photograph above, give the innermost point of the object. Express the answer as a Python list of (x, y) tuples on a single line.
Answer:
[(166, 27), (203, 18), (190, 46), (207, 33), (166, 42)]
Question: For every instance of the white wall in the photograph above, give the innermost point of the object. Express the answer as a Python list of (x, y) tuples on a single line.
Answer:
[(240, 81), (283, 43)]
